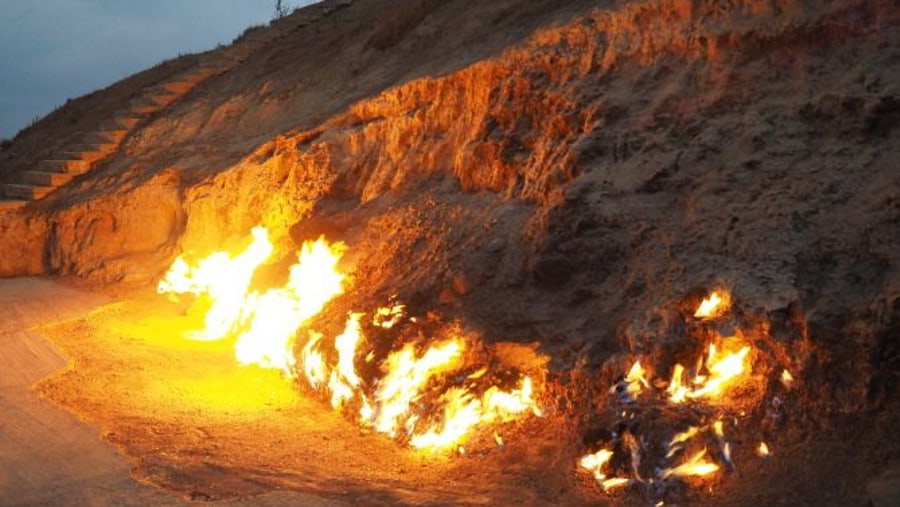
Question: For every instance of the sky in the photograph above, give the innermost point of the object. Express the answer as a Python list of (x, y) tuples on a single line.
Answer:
[(54, 50)]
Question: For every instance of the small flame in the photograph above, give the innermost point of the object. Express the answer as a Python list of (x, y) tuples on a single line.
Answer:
[(724, 445), (787, 380), (507, 405), (722, 369), (344, 379), (762, 450), (715, 305), (614, 482), (387, 317), (694, 466), (636, 380), (314, 366), (680, 438), (596, 462)]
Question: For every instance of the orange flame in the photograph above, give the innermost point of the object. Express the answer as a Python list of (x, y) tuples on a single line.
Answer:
[(694, 466), (722, 369), (714, 305), (265, 324)]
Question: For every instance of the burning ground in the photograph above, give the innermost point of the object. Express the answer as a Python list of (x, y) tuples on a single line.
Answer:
[(552, 192)]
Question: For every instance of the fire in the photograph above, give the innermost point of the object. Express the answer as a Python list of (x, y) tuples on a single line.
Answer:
[(596, 463), (406, 377), (762, 450), (715, 305), (636, 380), (265, 324), (696, 465), (721, 368), (387, 317), (787, 380), (223, 279), (344, 378)]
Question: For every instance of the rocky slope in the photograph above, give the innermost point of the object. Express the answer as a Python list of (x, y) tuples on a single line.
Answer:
[(559, 172)]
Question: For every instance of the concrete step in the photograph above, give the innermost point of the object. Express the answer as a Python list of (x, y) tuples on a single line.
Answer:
[(104, 148), (163, 99), (101, 136), (87, 156), (28, 192), (64, 166), (46, 179), (144, 106), (121, 122), (180, 87), (11, 204)]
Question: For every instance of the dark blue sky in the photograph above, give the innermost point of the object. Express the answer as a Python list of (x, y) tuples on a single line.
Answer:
[(53, 50)]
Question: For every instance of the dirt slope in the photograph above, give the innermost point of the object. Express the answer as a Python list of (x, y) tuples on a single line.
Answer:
[(559, 172)]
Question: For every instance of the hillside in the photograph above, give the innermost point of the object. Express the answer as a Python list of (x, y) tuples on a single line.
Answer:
[(568, 174)]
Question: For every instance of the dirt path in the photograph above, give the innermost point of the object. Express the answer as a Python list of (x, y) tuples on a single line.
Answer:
[(47, 456)]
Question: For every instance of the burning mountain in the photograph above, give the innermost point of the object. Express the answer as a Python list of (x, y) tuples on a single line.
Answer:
[(524, 251)]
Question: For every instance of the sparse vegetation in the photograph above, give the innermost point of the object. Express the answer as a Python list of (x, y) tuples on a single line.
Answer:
[(281, 10)]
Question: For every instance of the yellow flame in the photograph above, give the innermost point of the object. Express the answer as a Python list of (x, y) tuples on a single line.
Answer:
[(722, 368), (314, 366), (694, 466), (596, 462), (344, 379), (636, 380), (462, 411), (507, 405), (265, 325), (265, 322), (716, 304), (406, 376), (387, 317), (223, 278), (614, 482), (762, 450), (787, 380)]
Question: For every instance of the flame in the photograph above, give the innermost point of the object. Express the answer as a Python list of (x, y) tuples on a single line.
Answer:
[(694, 466), (265, 324), (314, 366), (680, 438), (762, 450), (722, 368), (223, 279), (507, 405), (406, 377), (787, 380), (636, 380), (344, 378), (596, 462), (462, 411), (387, 317), (714, 305)]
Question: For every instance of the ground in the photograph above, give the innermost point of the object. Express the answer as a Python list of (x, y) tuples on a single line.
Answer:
[(568, 174)]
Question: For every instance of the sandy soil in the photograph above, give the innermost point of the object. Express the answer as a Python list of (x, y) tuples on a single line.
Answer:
[(47, 456)]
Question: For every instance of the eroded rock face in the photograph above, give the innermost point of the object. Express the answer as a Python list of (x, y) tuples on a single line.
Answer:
[(576, 174)]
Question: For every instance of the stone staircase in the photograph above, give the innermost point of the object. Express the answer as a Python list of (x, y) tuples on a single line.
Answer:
[(96, 146)]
